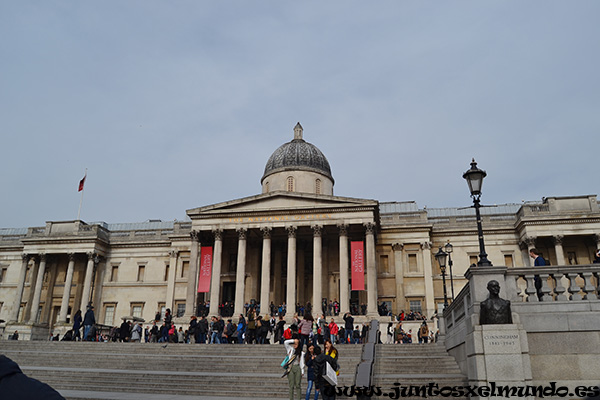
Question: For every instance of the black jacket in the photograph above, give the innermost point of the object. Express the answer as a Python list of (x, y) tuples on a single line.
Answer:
[(15, 385), (319, 368)]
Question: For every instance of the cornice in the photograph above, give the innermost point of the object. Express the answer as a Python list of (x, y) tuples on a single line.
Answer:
[(54, 241), (316, 210)]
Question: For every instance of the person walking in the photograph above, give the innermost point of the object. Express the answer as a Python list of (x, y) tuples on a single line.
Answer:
[(77, 320), (88, 321), (333, 331), (349, 327), (305, 327), (294, 366), (311, 354)]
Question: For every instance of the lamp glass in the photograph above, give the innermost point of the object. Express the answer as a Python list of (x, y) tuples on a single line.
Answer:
[(440, 256), (448, 248)]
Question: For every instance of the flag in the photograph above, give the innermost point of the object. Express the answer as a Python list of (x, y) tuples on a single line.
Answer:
[(81, 182)]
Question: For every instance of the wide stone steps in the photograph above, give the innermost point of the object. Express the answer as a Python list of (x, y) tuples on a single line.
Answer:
[(147, 368), (415, 364)]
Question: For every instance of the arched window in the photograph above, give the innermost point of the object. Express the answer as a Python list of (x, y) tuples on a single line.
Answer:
[(267, 187), (318, 186), (290, 184)]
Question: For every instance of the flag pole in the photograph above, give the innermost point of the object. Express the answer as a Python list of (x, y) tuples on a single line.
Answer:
[(81, 199)]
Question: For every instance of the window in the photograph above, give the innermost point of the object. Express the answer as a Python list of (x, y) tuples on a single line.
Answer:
[(508, 260), (141, 272), (180, 307), (109, 314), (114, 273), (384, 265), (1, 304), (162, 307), (267, 187), (473, 260), (415, 305), (185, 266), (3, 274), (21, 312), (136, 309), (290, 184), (28, 274), (412, 263), (318, 186), (167, 267), (38, 317)]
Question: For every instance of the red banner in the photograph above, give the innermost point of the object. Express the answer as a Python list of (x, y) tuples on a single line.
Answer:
[(358, 265), (205, 269)]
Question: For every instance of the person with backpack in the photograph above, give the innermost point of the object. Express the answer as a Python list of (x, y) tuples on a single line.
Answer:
[(241, 329)]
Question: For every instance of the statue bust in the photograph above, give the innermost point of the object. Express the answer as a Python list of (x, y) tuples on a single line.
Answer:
[(494, 310)]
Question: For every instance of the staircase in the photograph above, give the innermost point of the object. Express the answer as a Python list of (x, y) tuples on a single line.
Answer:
[(415, 364), (89, 370)]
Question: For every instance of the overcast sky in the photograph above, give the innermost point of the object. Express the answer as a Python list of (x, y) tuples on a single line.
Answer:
[(176, 105)]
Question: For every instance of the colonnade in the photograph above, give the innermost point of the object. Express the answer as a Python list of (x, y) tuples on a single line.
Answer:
[(291, 297), (38, 270), (529, 242)]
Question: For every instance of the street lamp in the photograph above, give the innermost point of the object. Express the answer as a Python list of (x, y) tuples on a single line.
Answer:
[(448, 248), (474, 178), (440, 256)]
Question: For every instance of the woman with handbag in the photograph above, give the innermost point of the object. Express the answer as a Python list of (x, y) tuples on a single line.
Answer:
[(320, 364), (294, 366)]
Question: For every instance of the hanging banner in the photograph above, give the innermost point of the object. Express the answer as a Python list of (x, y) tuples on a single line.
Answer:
[(205, 269), (358, 265)]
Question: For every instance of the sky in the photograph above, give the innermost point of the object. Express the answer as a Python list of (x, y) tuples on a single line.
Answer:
[(176, 105)]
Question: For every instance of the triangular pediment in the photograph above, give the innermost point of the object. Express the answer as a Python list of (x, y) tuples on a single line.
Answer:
[(282, 201)]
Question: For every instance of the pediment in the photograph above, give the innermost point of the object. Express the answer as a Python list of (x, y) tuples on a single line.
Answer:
[(282, 202)]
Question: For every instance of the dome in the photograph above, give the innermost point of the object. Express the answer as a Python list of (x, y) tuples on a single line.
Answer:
[(298, 155)]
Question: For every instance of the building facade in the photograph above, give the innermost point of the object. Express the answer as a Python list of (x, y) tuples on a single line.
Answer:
[(287, 245)]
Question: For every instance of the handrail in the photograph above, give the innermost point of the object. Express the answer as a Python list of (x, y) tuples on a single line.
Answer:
[(364, 369)]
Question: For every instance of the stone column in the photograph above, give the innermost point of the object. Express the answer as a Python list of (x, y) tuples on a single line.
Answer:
[(558, 248), (240, 277), (399, 272), (428, 275), (215, 284), (371, 271), (169, 303), (530, 242), (35, 303), (20, 287), (64, 305), (597, 240), (291, 272), (344, 268), (190, 295), (277, 283), (317, 269), (524, 253), (265, 280), (87, 283), (52, 267)]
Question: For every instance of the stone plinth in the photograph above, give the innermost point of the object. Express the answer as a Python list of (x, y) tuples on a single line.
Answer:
[(499, 354), (27, 331)]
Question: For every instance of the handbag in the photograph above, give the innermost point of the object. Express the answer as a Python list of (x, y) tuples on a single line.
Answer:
[(285, 361), (330, 376)]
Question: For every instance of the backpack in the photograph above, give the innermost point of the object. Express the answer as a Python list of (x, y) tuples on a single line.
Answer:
[(287, 334)]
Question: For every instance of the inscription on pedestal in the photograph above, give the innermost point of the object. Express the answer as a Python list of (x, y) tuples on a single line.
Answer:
[(501, 343)]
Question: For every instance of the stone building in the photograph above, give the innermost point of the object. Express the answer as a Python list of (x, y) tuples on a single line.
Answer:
[(288, 244)]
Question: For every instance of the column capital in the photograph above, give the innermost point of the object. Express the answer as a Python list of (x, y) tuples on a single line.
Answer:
[(91, 255), (343, 229), (242, 233), (218, 234), (530, 240), (71, 256), (557, 239), (522, 245), (42, 257), (426, 245), (317, 230), (291, 230), (194, 235), (597, 238), (369, 227), (266, 232), (173, 253), (398, 246), (25, 257)]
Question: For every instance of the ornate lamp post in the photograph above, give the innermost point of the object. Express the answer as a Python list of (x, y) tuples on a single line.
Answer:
[(474, 178), (448, 249), (440, 256)]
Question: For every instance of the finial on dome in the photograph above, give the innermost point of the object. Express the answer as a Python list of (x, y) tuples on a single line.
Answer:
[(298, 131)]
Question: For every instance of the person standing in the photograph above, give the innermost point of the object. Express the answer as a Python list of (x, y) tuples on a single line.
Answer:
[(538, 261), (201, 330), (88, 321), (311, 354), (77, 320), (319, 364), (333, 331), (295, 366), (424, 333), (304, 328), (349, 327)]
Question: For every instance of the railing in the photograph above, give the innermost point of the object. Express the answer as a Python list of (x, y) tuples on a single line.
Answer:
[(558, 283), (456, 312)]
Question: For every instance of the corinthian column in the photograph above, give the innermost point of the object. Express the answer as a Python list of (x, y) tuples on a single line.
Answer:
[(64, 305), (265, 281), (428, 275), (558, 248), (344, 266), (171, 279), (87, 285), (35, 303), (317, 269), (371, 271), (291, 272), (215, 283), (190, 295), (240, 277), (399, 272), (14, 316)]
